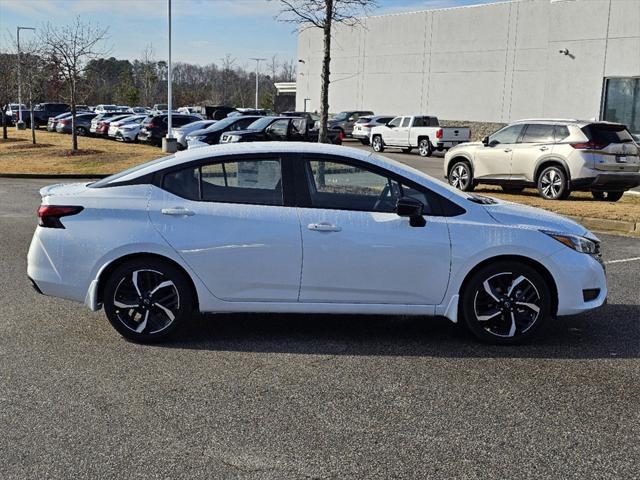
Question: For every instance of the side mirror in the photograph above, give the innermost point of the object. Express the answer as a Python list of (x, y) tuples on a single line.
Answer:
[(485, 141), (390, 125), (351, 119), (411, 208)]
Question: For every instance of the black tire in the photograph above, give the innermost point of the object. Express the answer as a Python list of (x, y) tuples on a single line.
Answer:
[(149, 321), (461, 176), (553, 184), (607, 196), (512, 189), (377, 144), (505, 302), (407, 150), (425, 149), (81, 131)]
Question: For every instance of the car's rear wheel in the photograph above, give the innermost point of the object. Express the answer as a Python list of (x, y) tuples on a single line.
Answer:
[(377, 144), (506, 302), (552, 184), (146, 300), (425, 148), (607, 196), (512, 189), (461, 177)]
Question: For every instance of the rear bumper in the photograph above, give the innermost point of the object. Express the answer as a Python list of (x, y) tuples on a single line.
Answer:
[(610, 182)]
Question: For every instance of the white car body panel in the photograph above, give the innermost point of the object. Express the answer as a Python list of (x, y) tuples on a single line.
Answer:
[(264, 258), (409, 136)]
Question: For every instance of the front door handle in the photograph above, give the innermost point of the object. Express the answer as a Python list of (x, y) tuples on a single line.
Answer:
[(323, 227), (507, 150), (544, 148), (177, 212)]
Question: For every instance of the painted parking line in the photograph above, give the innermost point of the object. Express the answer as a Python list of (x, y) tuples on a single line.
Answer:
[(634, 259)]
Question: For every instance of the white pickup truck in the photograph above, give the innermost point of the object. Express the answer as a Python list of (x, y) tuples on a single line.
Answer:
[(421, 132)]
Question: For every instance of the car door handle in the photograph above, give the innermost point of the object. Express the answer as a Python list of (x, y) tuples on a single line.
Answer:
[(544, 148), (323, 227), (177, 211), (507, 150)]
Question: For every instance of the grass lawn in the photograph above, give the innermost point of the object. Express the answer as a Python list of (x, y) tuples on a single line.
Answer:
[(52, 154)]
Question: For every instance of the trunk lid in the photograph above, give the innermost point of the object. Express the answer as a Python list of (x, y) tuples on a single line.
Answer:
[(63, 189)]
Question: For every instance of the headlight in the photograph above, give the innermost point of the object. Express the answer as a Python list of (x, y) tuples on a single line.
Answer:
[(231, 138), (575, 242), (193, 138)]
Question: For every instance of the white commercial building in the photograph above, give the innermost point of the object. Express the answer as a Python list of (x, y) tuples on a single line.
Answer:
[(488, 63)]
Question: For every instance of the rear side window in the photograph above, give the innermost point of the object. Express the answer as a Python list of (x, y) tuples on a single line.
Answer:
[(561, 132), (257, 182), (363, 119), (425, 122), (602, 134), (384, 120), (538, 133)]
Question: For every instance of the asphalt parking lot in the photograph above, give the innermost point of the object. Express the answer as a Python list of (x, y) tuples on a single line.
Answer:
[(299, 396)]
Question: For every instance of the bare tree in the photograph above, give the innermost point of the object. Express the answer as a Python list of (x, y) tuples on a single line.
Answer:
[(70, 48), (32, 77), (323, 14), (7, 83)]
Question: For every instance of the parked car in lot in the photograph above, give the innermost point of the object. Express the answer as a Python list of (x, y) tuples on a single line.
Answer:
[(421, 132), (154, 127), (100, 124), (362, 128), (217, 112), (180, 133), (211, 135), (43, 111), (102, 108), (12, 112), (556, 156), (312, 119), (53, 121), (140, 110), (115, 125), (222, 229), (284, 129), (128, 132), (83, 123), (345, 121)]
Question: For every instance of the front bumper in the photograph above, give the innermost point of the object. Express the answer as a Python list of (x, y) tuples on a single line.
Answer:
[(608, 182)]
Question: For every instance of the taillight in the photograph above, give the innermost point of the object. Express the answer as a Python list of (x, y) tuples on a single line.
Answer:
[(439, 133), (588, 146), (49, 215), (341, 135)]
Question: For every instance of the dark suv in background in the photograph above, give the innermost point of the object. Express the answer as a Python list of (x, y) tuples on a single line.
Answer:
[(154, 127), (345, 121)]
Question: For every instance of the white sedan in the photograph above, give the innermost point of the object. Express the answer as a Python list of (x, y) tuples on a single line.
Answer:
[(306, 228)]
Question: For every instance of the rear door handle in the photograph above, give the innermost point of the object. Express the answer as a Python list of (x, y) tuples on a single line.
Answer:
[(323, 227), (507, 150), (177, 212), (544, 148)]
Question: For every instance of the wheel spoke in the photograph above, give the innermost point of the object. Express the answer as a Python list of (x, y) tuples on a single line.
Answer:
[(530, 306), (143, 323), (166, 283), (512, 330), (515, 283), (489, 316), (489, 290), (124, 305), (168, 312), (134, 279)]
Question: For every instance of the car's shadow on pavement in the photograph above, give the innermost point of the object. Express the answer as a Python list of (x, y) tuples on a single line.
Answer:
[(613, 331)]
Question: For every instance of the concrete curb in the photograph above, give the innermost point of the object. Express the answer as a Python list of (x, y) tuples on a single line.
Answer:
[(609, 226), (52, 176)]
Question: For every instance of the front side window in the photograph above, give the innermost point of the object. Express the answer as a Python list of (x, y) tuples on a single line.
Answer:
[(406, 121), (278, 128), (341, 186), (246, 181), (508, 134), (538, 133), (395, 122)]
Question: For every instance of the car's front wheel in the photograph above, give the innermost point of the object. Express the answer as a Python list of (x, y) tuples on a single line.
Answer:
[(461, 177), (607, 196), (146, 300), (506, 302), (553, 184), (377, 144)]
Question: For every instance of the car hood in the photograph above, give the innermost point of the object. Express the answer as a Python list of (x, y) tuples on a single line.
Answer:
[(535, 218)]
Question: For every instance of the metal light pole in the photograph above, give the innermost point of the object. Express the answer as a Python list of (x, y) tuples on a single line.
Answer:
[(169, 144), (20, 124), (258, 60)]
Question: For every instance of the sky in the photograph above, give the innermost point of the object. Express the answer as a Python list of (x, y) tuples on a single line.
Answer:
[(204, 31)]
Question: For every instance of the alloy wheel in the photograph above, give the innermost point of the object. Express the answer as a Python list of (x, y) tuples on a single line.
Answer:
[(507, 305), (459, 176), (146, 301), (425, 149), (551, 184)]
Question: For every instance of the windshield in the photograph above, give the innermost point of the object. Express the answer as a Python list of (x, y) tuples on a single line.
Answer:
[(341, 116), (261, 123)]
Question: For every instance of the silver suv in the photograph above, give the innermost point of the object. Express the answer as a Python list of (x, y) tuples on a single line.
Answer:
[(556, 156)]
